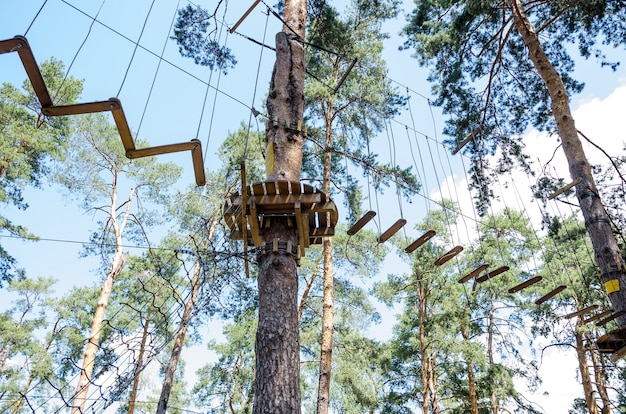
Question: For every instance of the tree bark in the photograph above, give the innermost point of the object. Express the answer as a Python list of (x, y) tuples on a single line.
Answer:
[(599, 374), (277, 347), (78, 404), (605, 247), (471, 380), (326, 352), (170, 370), (585, 376), (142, 347)]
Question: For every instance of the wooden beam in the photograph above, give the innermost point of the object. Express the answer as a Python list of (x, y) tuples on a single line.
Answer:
[(493, 273), (473, 273), (242, 18), (564, 189), (550, 294), (345, 75), (391, 230), (361, 223), (253, 221), (420, 241), (598, 316), (20, 45), (449, 255), (467, 139), (610, 318), (580, 312), (525, 284)]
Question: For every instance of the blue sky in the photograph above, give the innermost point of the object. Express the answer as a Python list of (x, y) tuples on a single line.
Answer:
[(173, 112)]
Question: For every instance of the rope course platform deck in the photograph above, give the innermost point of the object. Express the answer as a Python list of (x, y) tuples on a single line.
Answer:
[(314, 213), (20, 45), (612, 341)]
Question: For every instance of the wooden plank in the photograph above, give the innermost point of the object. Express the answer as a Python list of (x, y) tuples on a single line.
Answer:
[(163, 149), (473, 273), (449, 255), (295, 187), (598, 316), (20, 45), (610, 318), (322, 219), (360, 223), (321, 232), (122, 126), (580, 312), (242, 18), (391, 230), (282, 187), (80, 108), (253, 221), (198, 163), (420, 241), (525, 284), (270, 187), (300, 226), (493, 273), (550, 294), (258, 189)]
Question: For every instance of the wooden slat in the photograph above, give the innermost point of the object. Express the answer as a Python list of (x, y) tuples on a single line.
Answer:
[(321, 232), (270, 187), (391, 230), (525, 284), (198, 163), (580, 312), (322, 219), (280, 201), (20, 45), (473, 273), (493, 273), (303, 237), (550, 294), (258, 189), (296, 187), (81, 108), (360, 223), (162, 149), (420, 241), (598, 316), (449, 255), (253, 221), (282, 187), (610, 318)]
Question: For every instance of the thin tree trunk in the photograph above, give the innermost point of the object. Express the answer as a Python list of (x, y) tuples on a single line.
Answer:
[(490, 330), (277, 347), (605, 247), (138, 365), (585, 376), (599, 374), (326, 353), (78, 405), (471, 380), (170, 370)]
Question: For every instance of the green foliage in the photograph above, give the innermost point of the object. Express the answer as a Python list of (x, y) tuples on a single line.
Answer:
[(482, 76), (27, 146), (194, 39)]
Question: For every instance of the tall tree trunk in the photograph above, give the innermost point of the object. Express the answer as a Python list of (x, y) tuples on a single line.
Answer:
[(138, 366), (605, 247), (277, 347), (585, 376), (326, 353), (78, 404), (170, 370), (471, 379), (490, 357)]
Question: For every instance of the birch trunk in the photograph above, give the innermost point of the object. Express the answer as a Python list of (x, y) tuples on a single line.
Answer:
[(605, 247)]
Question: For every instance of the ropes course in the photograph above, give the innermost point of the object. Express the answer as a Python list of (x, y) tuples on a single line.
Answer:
[(137, 336)]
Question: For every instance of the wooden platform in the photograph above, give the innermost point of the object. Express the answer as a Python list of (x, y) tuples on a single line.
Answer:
[(312, 212), (612, 342)]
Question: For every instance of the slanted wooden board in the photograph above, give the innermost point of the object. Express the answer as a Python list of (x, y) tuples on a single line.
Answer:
[(420, 241), (493, 273), (581, 312), (449, 255), (550, 294), (525, 284), (474, 273)]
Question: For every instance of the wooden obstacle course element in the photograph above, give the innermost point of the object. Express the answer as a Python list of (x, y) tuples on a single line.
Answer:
[(448, 255), (474, 273), (491, 274), (315, 215), (360, 223), (581, 312), (467, 139), (242, 18), (113, 105), (550, 294), (391, 230), (610, 318), (420, 241), (565, 188), (598, 316), (525, 284), (612, 341)]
